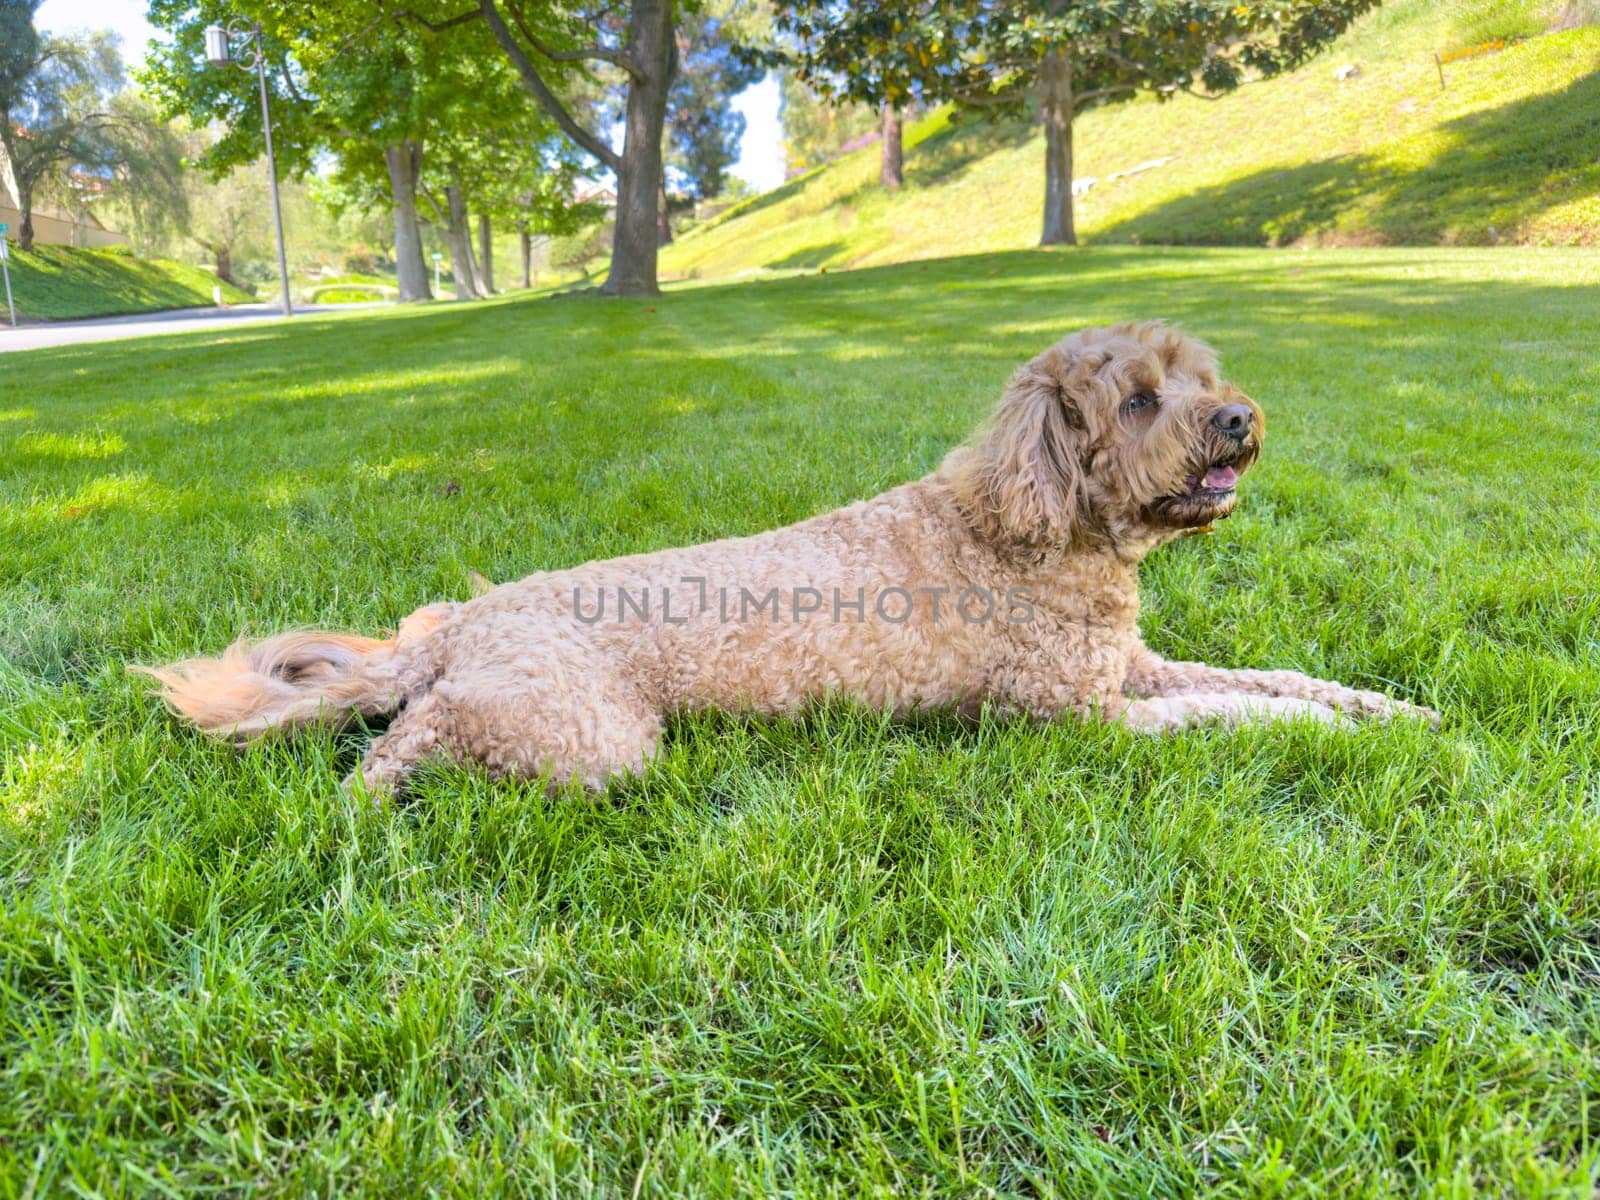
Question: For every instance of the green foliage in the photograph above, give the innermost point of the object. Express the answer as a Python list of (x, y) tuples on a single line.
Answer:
[(59, 282), (987, 54), (841, 956), (231, 216), (998, 58), (19, 47), (357, 80), (1481, 21), (84, 129), (148, 195), (56, 111), (814, 131), (702, 128), (226, 101), (1388, 157)]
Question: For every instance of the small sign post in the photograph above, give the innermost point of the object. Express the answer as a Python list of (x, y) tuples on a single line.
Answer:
[(436, 259), (5, 269)]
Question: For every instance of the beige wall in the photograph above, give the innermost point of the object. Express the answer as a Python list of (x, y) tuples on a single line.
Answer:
[(57, 231)]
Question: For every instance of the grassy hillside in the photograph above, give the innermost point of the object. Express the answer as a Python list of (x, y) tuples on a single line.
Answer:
[(842, 956), (1505, 152), (59, 282)]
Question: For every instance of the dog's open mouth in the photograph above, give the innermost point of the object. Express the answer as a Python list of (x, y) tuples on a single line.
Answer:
[(1219, 480), (1208, 495)]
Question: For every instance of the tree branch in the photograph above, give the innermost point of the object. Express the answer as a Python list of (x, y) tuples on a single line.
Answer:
[(1126, 63), (1083, 99), (542, 93), (522, 24), (617, 58), (440, 26), (427, 194), (986, 99), (1189, 89), (288, 80)]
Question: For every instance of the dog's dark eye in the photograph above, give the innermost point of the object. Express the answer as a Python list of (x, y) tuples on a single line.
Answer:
[(1138, 402)]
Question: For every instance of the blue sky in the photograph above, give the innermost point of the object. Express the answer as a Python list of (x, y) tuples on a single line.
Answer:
[(760, 161)]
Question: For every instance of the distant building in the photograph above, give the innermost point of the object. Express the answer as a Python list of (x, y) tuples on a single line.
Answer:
[(590, 192), (52, 224)]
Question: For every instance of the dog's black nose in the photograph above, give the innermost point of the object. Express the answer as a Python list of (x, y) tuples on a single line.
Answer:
[(1234, 421)]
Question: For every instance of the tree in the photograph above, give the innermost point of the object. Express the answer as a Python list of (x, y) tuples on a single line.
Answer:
[(492, 147), (522, 172), (147, 184), (703, 130), (231, 216), (345, 82), (997, 56), (892, 155), (533, 195), (55, 107), (401, 95), (855, 52), (814, 130), (644, 54)]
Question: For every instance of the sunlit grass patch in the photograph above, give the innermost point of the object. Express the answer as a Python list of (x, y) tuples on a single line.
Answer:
[(61, 282), (839, 955)]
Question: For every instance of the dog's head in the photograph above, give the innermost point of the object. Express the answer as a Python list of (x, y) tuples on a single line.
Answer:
[(1125, 434)]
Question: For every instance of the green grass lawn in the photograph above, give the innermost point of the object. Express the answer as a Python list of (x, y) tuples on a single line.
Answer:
[(844, 956), (59, 282), (1504, 153)]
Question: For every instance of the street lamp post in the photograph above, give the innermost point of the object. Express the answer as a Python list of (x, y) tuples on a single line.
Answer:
[(219, 53)]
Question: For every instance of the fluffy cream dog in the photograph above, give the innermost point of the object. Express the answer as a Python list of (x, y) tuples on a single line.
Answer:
[(1008, 577)]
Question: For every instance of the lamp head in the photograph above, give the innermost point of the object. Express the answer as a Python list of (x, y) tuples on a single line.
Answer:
[(217, 52)]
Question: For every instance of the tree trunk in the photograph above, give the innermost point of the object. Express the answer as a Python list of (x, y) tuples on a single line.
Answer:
[(634, 243), (460, 241), (25, 207), (224, 257), (525, 240), (891, 173), (1055, 110), (485, 255), (404, 159), (650, 50), (663, 221)]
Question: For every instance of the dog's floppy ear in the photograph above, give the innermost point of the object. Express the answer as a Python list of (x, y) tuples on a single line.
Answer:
[(1025, 472)]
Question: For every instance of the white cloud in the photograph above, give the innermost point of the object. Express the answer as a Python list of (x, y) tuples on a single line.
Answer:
[(124, 17)]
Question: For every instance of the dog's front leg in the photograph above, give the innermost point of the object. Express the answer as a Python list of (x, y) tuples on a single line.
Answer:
[(1170, 714), (1151, 676)]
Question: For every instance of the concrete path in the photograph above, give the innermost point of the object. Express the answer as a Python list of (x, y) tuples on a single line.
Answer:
[(181, 320)]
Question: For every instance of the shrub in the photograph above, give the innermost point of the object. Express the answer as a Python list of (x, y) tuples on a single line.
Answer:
[(357, 260), (1481, 21)]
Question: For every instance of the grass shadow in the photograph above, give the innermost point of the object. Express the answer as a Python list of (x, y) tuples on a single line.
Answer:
[(1473, 179), (958, 145), (808, 256)]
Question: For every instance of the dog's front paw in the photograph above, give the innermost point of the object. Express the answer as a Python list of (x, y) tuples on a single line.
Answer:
[(1418, 712), (1375, 706), (1289, 708)]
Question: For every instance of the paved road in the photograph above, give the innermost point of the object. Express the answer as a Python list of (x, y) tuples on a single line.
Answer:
[(183, 320)]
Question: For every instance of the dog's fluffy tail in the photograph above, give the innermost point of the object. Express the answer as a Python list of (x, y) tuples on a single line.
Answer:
[(290, 680)]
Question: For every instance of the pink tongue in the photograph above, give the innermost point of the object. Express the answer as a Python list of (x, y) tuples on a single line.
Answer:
[(1221, 478)]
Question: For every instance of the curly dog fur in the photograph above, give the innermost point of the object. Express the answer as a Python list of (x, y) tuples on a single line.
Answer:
[(1108, 444)]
